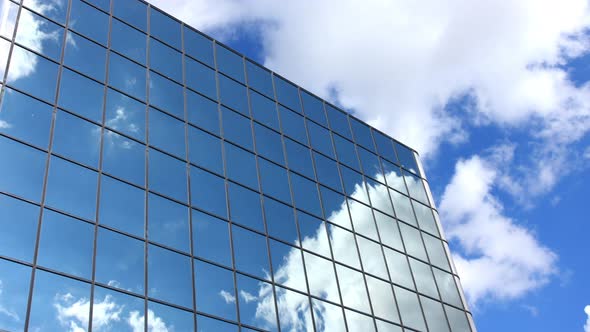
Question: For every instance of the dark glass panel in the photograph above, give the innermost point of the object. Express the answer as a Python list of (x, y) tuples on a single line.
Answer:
[(314, 108), (211, 238), (237, 128), (165, 28), (133, 12), (127, 76), (76, 139), (233, 94), (346, 152), (264, 110), (166, 133), (230, 63), (39, 81), (299, 158), (25, 118), (198, 46), (280, 221), (122, 206), (293, 125), (208, 192), (128, 41), (165, 60), (169, 276), (274, 180), (362, 134), (18, 221), (166, 95), (314, 236), (205, 150), (327, 171), (244, 205), (81, 95), (250, 252), (215, 291), (200, 78), (320, 139), (287, 94), (85, 56), (168, 223), (89, 21), (123, 158), (260, 79), (202, 112), (305, 194), (15, 293), (167, 175), (241, 166), (338, 121)]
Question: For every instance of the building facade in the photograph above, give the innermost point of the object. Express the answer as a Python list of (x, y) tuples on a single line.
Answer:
[(153, 179)]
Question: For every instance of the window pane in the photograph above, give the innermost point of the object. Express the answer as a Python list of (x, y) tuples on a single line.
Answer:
[(170, 317), (121, 206), (372, 257), (111, 303), (264, 110), (294, 310), (167, 175), (320, 139), (200, 78), (287, 265), (406, 157), (127, 76), (305, 194), (393, 176), (384, 146), (344, 246), (89, 21), (85, 56), (123, 158), (435, 316), (237, 128), (403, 207), (256, 296), (168, 223), (260, 79), (299, 158), (18, 221), (81, 95), (72, 188), (165, 28), (314, 108), (166, 95), (338, 121), (415, 187), (335, 208), (169, 276), (352, 287), (211, 238), (354, 186), (9, 11), (370, 164), (387, 327), (165, 60), (274, 181), (328, 317), (425, 218), (66, 244), (128, 41), (436, 252), (132, 11), (314, 236), (120, 261), (245, 207), (76, 139), (359, 322), (241, 166), (398, 268), (25, 118), (321, 277), (293, 125), (413, 241), (424, 279), (346, 152), (125, 115), (250, 252), (202, 112), (389, 231), (280, 221), (269, 144), (448, 288), (40, 82), (198, 46), (215, 291), (233, 94), (205, 150), (362, 134), (208, 192), (409, 308), (166, 133), (379, 196), (327, 171), (230, 63), (15, 293), (362, 219), (52, 295), (382, 299), (45, 38), (457, 320), (209, 324), (287, 94)]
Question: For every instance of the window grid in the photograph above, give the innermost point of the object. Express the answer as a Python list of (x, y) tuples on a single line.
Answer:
[(186, 161)]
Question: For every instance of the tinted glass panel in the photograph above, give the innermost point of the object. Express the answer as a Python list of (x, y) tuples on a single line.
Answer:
[(314, 236), (208, 192), (202, 112), (127, 76), (167, 175), (274, 180), (205, 150), (123, 158), (40, 82), (314, 108), (9, 10), (280, 221), (128, 41), (299, 158), (241, 166), (384, 146), (346, 152), (46, 38), (287, 94), (354, 186), (15, 293), (215, 291), (233, 94), (338, 121), (211, 238), (230, 63), (335, 208), (125, 305), (293, 125), (165, 60), (168, 223), (362, 134), (89, 21), (25, 118), (169, 276), (166, 133), (85, 56), (269, 144), (237, 128), (166, 95), (125, 115), (294, 310), (121, 206), (18, 221), (260, 79), (379, 197), (287, 265), (198, 46), (406, 157), (254, 297), (76, 139), (165, 28), (250, 252), (245, 207), (200, 78), (168, 316), (81, 95), (132, 11), (210, 324), (327, 171), (305, 194), (264, 110), (370, 164), (320, 139)]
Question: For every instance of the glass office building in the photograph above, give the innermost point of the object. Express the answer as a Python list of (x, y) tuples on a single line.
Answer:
[(153, 179)]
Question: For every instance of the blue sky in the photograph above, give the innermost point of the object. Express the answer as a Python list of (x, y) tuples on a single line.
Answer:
[(494, 97)]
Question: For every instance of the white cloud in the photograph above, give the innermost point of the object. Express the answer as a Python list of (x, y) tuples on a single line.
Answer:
[(155, 324), (247, 296), (227, 296), (73, 313), (587, 325), (5, 125), (513, 259)]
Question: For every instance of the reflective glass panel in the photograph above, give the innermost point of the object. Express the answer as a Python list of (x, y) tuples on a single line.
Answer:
[(123, 158), (335, 208), (241, 166), (168, 223), (389, 231), (382, 299), (85, 56), (393, 176), (294, 310), (448, 288), (76, 139), (211, 238), (287, 265), (352, 287), (406, 157), (34, 32), (457, 320), (169, 276), (167, 175), (244, 205), (25, 118), (125, 115), (260, 79), (40, 81), (127, 76), (269, 144), (320, 139), (293, 125), (198, 46), (328, 317), (230, 63), (166, 133), (202, 112), (120, 261), (215, 291), (370, 163), (413, 241), (379, 196), (415, 187), (81, 95), (346, 152), (305, 194), (287, 94), (237, 128), (425, 218), (423, 278), (384, 146), (327, 171), (8, 10), (165, 60), (129, 309), (256, 297), (165, 28), (409, 308), (362, 219), (128, 41), (208, 192), (71, 188), (23, 172), (121, 206), (362, 134), (132, 11), (403, 207), (18, 221), (15, 293), (321, 277), (233, 94), (299, 158), (200, 78), (66, 244), (280, 221), (399, 269), (354, 186), (344, 246), (274, 180), (338, 121), (205, 323), (436, 252), (372, 257), (89, 21), (314, 236), (264, 110), (250, 252), (168, 318), (314, 108), (205, 150), (435, 316), (166, 95), (359, 322), (383, 326)]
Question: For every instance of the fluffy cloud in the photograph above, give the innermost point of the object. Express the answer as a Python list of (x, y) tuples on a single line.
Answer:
[(587, 325), (513, 259)]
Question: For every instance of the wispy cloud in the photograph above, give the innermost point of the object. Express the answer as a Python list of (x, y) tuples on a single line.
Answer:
[(227, 296), (247, 296)]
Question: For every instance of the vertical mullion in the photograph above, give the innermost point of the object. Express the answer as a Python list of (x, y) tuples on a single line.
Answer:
[(147, 168)]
